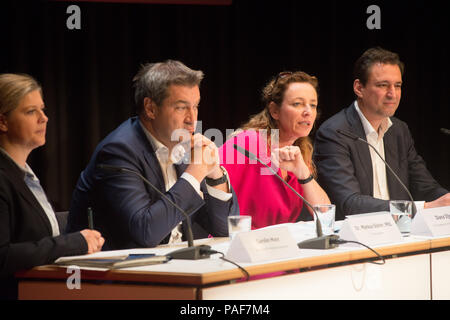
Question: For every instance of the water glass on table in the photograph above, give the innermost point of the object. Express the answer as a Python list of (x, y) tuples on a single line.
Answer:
[(401, 211), (326, 213), (238, 224)]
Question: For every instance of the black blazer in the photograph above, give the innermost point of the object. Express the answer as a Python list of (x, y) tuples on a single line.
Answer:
[(345, 167), (25, 233)]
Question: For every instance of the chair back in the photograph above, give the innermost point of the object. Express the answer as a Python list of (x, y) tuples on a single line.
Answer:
[(61, 217)]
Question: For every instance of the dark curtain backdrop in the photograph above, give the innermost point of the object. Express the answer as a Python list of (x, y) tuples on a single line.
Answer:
[(87, 74)]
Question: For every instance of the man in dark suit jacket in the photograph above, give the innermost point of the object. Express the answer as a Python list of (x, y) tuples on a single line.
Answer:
[(129, 212), (348, 170)]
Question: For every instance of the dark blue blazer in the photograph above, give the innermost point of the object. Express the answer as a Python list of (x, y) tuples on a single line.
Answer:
[(345, 167), (129, 213)]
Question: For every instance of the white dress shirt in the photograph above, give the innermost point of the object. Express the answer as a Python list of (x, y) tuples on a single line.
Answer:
[(170, 176), (380, 187)]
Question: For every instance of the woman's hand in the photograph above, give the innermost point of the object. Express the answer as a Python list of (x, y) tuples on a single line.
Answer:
[(290, 158)]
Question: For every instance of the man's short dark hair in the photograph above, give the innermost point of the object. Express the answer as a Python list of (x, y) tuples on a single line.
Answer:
[(370, 57), (153, 79)]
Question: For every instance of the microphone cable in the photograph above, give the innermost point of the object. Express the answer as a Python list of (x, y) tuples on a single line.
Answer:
[(210, 251), (342, 241), (336, 241)]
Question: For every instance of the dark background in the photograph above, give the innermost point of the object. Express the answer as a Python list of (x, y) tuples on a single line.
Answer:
[(87, 74)]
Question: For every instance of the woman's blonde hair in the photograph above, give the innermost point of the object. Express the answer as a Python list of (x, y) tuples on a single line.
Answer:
[(13, 87), (274, 92)]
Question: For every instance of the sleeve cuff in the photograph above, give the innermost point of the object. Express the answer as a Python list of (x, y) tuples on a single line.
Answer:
[(193, 182), (420, 205), (219, 194), (213, 192)]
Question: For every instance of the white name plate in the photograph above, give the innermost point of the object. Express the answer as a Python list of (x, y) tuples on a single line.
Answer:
[(432, 222), (370, 228), (261, 245)]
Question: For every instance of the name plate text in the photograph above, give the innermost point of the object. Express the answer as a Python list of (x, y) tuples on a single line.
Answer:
[(370, 228), (262, 245), (433, 222)]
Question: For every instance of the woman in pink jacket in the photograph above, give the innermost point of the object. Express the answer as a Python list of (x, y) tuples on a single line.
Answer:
[(278, 135)]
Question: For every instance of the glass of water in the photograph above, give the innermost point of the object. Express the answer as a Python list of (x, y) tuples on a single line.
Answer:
[(238, 224), (326, 213), (401, 211)]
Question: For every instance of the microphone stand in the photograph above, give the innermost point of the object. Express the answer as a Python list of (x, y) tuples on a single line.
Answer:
[(191, 252), (321, 241), (355, 137)]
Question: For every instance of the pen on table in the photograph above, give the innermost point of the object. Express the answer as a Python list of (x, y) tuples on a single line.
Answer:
[(90, 218)]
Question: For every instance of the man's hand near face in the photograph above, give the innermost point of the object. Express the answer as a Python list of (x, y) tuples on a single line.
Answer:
[(205, 160)]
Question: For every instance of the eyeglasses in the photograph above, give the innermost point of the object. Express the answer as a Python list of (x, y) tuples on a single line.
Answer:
[(281, 75)]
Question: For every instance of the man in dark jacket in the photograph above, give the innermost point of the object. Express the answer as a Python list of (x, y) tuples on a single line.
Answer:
[(352, 174)]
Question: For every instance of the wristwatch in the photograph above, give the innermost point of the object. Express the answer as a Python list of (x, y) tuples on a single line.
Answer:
[(216, 182)]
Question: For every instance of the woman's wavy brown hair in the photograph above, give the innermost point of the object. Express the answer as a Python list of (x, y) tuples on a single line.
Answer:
[(274, 92)]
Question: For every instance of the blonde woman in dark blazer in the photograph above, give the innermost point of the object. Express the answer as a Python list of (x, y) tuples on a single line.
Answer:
[(29, 232)]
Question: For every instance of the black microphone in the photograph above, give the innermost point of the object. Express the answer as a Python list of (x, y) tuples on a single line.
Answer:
[(355, 137), (191, 252), (445, 131), (321, 242)]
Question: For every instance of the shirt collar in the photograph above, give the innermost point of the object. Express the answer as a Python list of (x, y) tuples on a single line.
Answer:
[(161, 151), (368, 129), (27, 170)]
